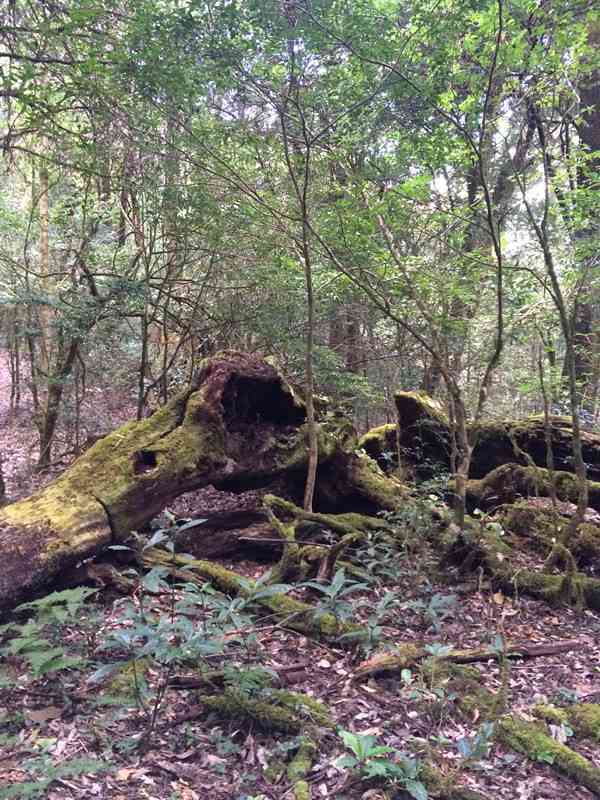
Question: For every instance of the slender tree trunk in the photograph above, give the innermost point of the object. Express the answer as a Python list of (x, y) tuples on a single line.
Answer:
[(44, 309), (54, 395), (313, 446)]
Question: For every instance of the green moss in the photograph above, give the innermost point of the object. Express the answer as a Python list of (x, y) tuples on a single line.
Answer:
[(129, 677), (303, 704), (370, 480), (444, 787), (275, 770), (406, 656), (532, 740), (557, 716), (302, 790), (585, 544), (289, 712), (584, 718), (380, 436), (236, 705), (422, 405), (488, 550), (381, 444), (302, 762), (472, 696), (539, 524)]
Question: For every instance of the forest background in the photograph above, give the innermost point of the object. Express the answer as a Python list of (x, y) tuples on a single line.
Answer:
[(382, 195), (374, 195)]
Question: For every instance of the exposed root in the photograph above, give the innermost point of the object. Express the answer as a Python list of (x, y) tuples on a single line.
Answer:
[(488, 551), (352, 528)]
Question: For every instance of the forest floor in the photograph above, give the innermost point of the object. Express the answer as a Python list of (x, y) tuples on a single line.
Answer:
[(141, 734), (64, 716)]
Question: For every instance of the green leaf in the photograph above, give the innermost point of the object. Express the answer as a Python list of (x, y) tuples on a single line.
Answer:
[(416, 789)]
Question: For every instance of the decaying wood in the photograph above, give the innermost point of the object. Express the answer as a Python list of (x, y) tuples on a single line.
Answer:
[(241, 426)]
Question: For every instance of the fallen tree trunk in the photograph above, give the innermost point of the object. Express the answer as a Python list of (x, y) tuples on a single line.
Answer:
[(242, 426), (424, 438)]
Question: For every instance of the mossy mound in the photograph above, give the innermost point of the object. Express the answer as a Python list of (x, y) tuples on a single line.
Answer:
[(288, 712), (495, 445), (510, 482), (541, 526), (584, 718)]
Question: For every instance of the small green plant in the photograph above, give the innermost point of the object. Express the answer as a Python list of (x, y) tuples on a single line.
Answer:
[(250, 680), (380, 558), (224, 744), (474, 748), (368, 759), (43, 773), (199, 623), (565, 696), (436, 610), (334, 595), (372, 632), (39, 641)]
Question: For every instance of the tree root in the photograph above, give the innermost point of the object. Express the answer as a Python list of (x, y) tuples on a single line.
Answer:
[(352, 528)]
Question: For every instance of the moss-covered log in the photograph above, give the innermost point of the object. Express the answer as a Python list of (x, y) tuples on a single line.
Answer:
[(289, 712), (240, 427), (511, 482), (533, 740), (584, 718), (425, 441), (409, 655)]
